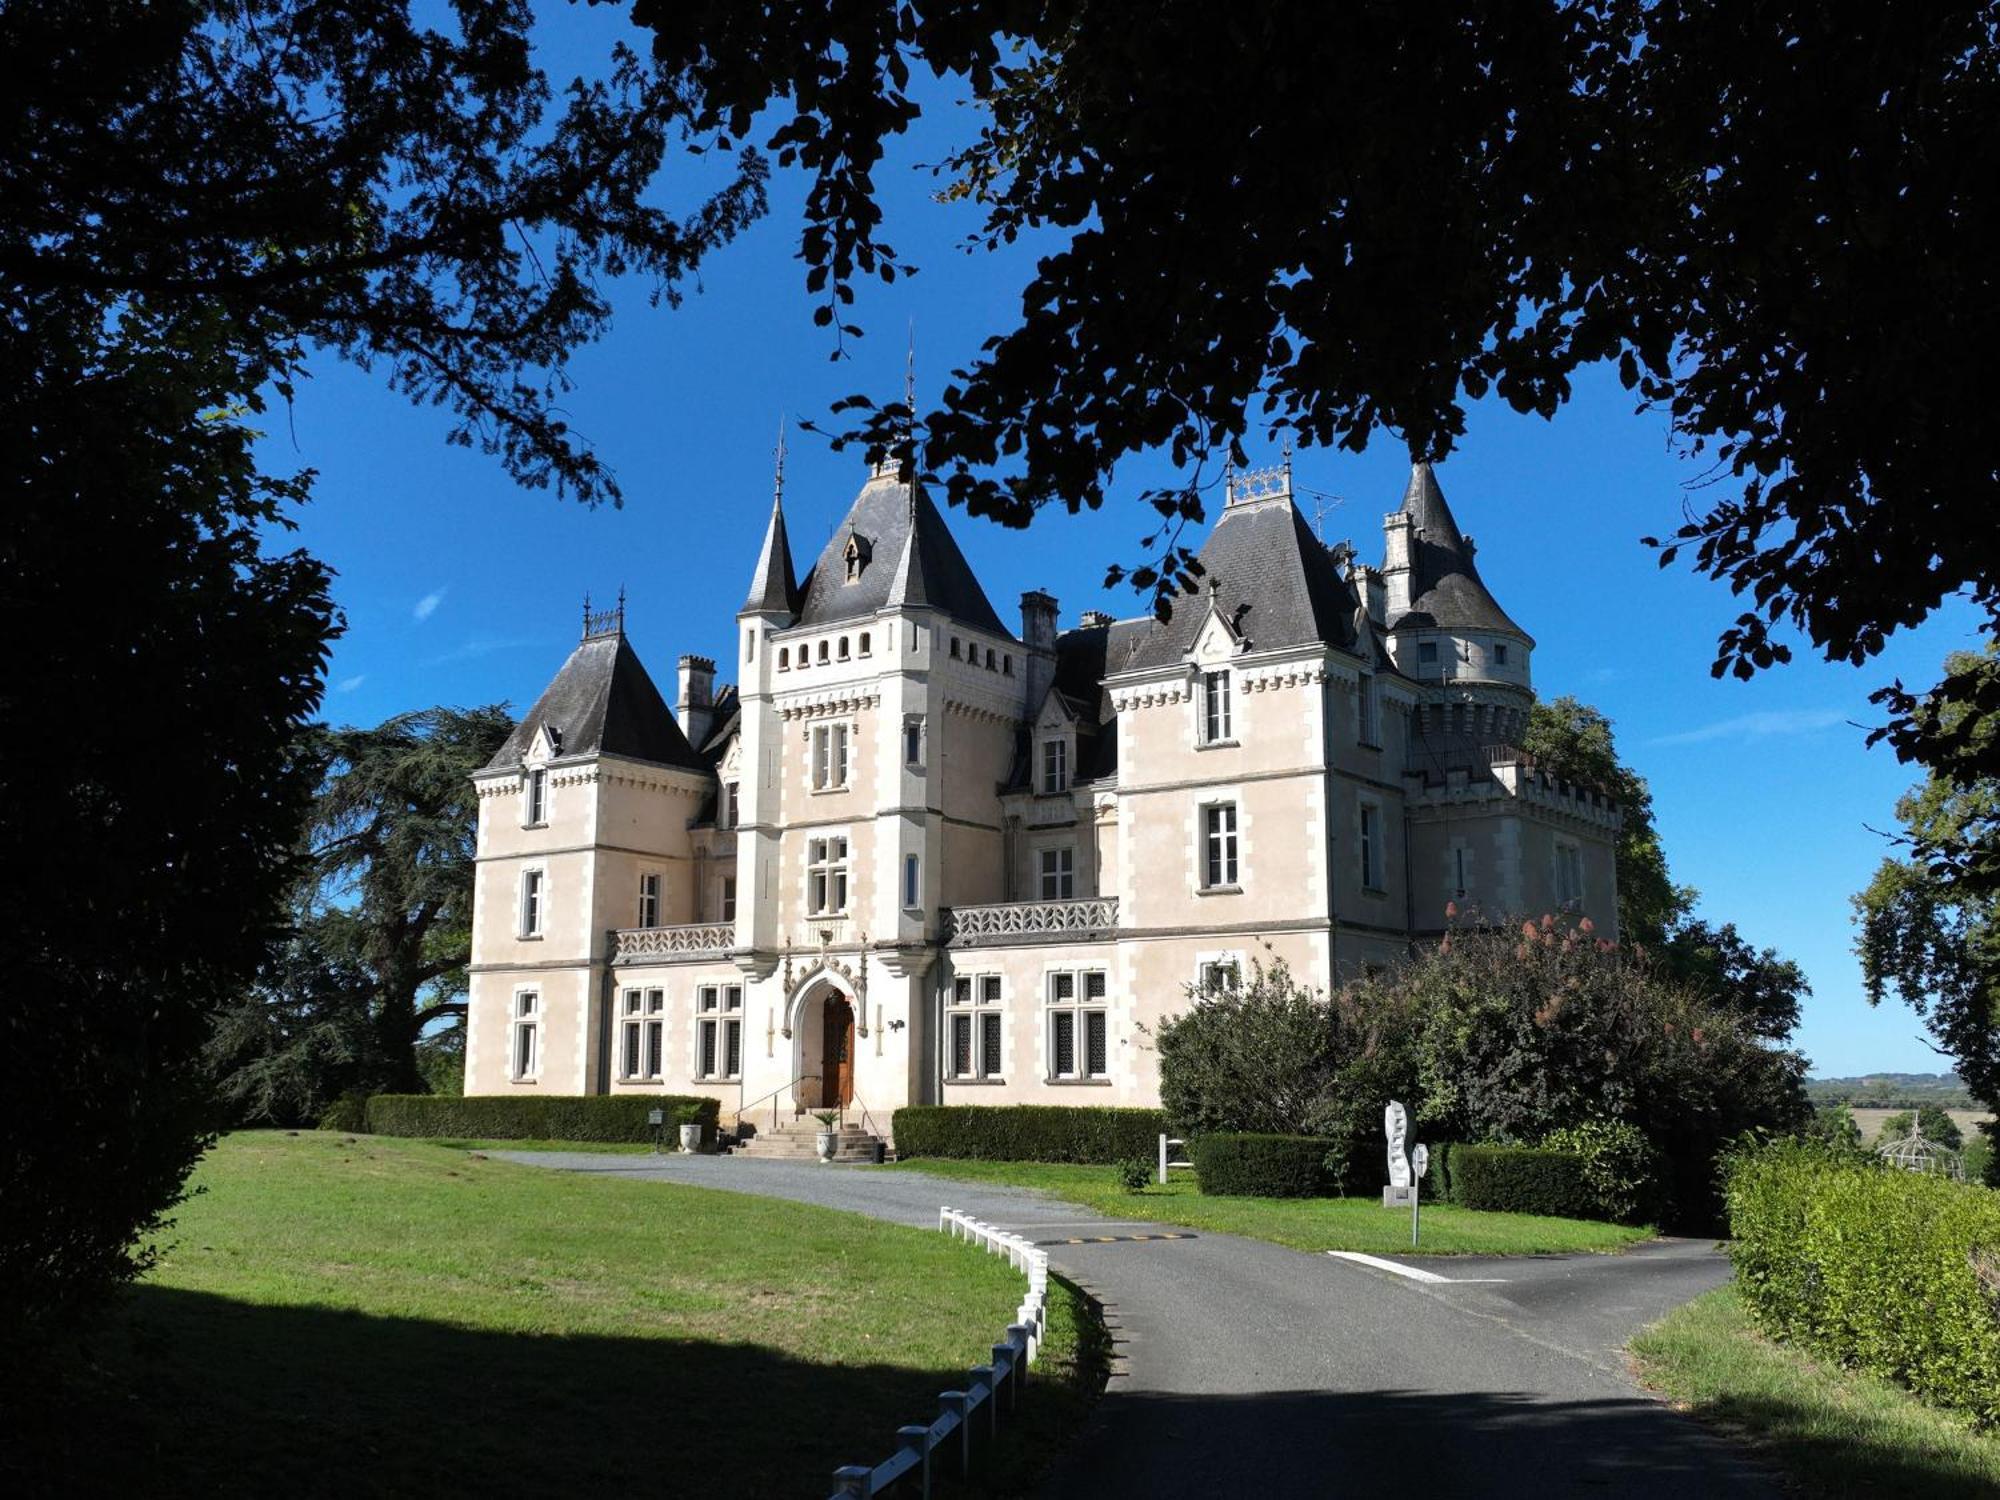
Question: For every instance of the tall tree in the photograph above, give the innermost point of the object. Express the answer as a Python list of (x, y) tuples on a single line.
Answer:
[(198, 193), (1334, 219), (1760, 986), (383, 911), (1930, 932)]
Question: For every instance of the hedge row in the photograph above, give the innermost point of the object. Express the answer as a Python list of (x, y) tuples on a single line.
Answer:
[(1894, 1272), (587, 1117), (1522, 1180), (1028, 1132), (1243, 1165)]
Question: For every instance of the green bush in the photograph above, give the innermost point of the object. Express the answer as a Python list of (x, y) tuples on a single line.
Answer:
[(1619, 1168), (1439, 1186), (349, 1112), (1523, 1180), (1894, 1272), (1134, 1172), (1091, 1134), (553, 1117), (1239, 1164)]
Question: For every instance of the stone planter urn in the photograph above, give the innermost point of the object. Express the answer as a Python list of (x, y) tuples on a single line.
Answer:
[(828, 1138), (690, 1139)]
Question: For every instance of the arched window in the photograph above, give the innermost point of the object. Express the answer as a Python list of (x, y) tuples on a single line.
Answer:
[(843, 648), (784, 658), (822, 653), (864, 643)]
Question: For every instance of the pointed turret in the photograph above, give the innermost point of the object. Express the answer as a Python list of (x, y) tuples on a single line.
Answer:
[(1428, 569), (774, 587), (602, 702), (894, 550)]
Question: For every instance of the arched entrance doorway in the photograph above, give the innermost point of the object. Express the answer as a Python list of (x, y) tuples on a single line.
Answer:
[(836, 1031)]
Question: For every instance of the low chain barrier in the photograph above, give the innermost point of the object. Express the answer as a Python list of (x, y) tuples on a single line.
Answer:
[(991, 1390)]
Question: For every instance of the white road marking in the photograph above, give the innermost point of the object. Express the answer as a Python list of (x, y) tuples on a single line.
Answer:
[(1411, 1271)]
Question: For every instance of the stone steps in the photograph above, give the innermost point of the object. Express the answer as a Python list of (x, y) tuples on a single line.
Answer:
[(798, 1140)]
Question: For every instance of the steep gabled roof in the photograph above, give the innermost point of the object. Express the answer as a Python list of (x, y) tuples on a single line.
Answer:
[(1273, 581), (603, 703), (912, 560), (1445, 587), (773, 586)]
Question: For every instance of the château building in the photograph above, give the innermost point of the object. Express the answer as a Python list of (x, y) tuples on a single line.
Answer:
[(921, 854)]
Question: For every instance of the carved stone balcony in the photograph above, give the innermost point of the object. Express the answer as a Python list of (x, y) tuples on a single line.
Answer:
[(638, 945), (1016, 922)]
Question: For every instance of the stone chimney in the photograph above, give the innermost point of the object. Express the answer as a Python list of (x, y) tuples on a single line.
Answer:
[(1038, 634), (1398, 561), (1093, 619), (1374, 596), (695, 705)]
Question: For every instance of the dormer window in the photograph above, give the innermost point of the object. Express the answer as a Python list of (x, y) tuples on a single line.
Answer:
[(1055, 766), (855, 554), (1215, 709)]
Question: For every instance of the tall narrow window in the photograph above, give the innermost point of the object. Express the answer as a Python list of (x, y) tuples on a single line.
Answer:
[(1458, 870), (525, 1053), (1215, 721), (1499, 653), (649, 899), (829, 757), (1219, 845), (1055, 766), (913, 881), (656, 1033), (718, 1043), (826, 876), (533, 895), (1058, 874), (630, 1039), (1371, 847), (1569, 876), (537, 789), (1366, 728), (726, 907), (913, 743), (1079, 1026)]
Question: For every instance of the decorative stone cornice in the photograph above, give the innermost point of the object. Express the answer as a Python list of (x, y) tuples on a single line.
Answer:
[(984, 713)]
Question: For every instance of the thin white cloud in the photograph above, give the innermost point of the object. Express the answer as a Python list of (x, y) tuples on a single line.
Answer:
[(481, 646), (427, 606), (1603, 674), (1759, 726), (349, 684)]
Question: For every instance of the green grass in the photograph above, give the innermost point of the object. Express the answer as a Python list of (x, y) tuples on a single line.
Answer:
[(1839, 1433), (1302, 1223), (341, 1316), (596, 1148)]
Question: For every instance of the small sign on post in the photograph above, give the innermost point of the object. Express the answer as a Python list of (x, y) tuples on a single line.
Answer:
[(1420, 1161), (657, 1118)]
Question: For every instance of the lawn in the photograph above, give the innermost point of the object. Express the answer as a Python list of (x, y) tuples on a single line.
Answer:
[(1839, 1433), (342, 1316), (1302, 1223)]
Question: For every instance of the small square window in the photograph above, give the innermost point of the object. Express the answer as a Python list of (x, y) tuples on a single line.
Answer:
[(1427, 653)]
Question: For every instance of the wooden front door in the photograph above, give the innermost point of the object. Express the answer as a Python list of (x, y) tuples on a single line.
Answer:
[(837, 1067)]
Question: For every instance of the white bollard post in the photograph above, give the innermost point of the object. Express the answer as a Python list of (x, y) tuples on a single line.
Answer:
[(1163, 1159)]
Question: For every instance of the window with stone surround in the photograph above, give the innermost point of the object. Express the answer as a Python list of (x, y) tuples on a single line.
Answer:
[(826, 875), (534, 897), (726, 904), (1058, 872), (642, 1035), (975, 1029), (1217, 726), (718, 1023), (1569, 875), (649, 899), (1219, 868), (1055, 766), (1371, 847), (829, 757), (535, 798), (524, 1047), (1079, 1026)]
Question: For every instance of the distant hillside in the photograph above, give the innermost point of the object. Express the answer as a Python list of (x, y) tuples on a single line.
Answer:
[(1892, 1091)]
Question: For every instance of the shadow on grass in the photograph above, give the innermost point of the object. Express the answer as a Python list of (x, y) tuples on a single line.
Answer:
[(192, 1394), (1282, 1445)]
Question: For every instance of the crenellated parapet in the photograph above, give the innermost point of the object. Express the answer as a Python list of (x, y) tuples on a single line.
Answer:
[(1512, 783)]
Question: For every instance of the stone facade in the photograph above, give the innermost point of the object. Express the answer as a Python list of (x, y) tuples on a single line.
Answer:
[(918, 856)]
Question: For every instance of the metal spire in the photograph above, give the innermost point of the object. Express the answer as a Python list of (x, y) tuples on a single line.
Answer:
[(778, 479)]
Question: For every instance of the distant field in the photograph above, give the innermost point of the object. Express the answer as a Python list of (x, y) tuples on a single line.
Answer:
[(1870, 1120)]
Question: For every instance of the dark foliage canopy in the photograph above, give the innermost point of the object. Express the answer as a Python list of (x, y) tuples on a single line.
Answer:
[(1334, 218)]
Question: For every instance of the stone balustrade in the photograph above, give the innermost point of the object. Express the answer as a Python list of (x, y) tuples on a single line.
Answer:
[(637, 945), (1029, 921)]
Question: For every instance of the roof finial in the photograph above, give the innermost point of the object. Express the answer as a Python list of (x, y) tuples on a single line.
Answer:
[(778, 477), (910, 417)]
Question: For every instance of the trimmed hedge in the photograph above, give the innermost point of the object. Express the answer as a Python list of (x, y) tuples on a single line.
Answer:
[(1894, 1272), (1523, 1180), (1091, 1134), (584, 1117), (1232, 1164)]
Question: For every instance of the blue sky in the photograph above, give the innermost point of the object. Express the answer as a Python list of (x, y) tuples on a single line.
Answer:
[(460, 588)]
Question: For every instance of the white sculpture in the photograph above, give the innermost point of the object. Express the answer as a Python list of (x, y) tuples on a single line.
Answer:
[(1396, 1125)]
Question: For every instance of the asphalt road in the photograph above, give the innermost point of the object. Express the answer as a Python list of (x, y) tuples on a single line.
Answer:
[(1248, 1369)]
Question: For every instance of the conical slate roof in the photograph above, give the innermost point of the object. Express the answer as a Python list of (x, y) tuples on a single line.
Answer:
[(773, 586), (603, 703), (911, 559), (1445, 588), (1270, 577)]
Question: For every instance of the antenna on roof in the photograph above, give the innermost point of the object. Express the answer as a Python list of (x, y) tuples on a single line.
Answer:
[(778, 478)]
